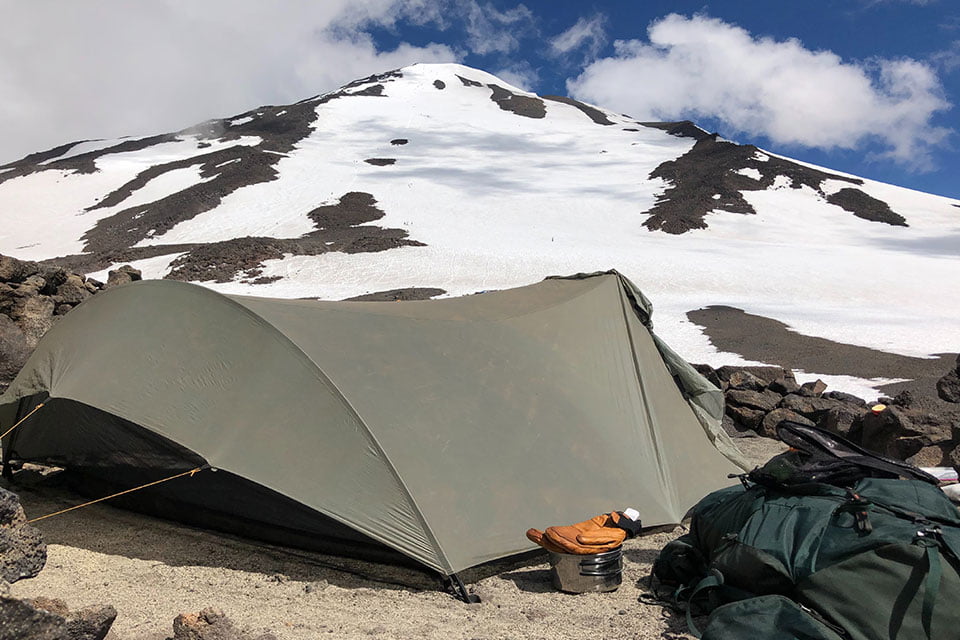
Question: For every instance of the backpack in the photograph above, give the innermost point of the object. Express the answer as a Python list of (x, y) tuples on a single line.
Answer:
[(875, 554)]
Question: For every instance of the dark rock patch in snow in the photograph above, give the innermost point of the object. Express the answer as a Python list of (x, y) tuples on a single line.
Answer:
[(767, 340), (380, 78), (707, 178), (340, 227), (353, 208), (374, 90), (396, 295), (515, 103), (399, 141), (81, 163), (43, 156), (592, 112), (467, 82), (867, 207), (381, 162), (681, 129), (440, 84)]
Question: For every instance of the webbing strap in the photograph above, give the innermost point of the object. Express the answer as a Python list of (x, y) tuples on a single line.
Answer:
[(931, 588), (712, 581)]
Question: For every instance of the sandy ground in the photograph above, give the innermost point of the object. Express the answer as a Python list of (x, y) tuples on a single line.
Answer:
[(151, 570)]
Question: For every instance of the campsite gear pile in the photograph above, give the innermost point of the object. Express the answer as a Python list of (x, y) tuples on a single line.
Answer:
[(825, 541), (587, 556)]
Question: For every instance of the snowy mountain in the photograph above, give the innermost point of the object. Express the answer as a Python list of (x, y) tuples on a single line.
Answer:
[(445, 180)]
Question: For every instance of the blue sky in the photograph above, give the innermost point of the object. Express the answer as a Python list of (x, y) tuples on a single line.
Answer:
[(868, 87)]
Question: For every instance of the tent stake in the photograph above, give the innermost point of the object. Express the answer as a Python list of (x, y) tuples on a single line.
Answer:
[(455, 586)]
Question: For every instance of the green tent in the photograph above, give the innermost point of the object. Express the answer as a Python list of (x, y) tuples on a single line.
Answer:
[(439, 429)]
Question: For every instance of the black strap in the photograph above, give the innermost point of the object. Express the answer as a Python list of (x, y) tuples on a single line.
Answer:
[(814, 440)]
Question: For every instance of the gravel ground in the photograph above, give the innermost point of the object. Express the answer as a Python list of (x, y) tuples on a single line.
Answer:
[(151, 570)]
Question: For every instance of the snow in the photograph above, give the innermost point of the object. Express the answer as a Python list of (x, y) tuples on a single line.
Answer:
[(86, 147), (150, 268), (750, 172), (502, 200), (239, 121)]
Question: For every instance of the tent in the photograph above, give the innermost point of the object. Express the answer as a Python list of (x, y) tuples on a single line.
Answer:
[(439, 429)]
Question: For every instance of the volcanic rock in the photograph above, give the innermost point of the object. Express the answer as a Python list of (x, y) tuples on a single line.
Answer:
[(22, 550), (745, 417), (764, 401), (767, 374), (746, 380), (51, 619), (813, 389), (122, 275), (768, 426), (210, 624), (14, 349), (948, 387)]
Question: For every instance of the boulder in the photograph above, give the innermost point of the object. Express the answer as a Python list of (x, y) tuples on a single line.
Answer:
[(768, 426), (784, 386), (931, 456), (14, 349), (767, 374), (811, 407), (49, 619), (122, 275), (210, 624), (840, 420), (53, 279), (762, 400), (745, 380), (13, 270), (900, 432), (89, 623), (22, 550), (745, 417), (72, 291), (18, 619), (846, 398), (813, 389), (735, 429), (34, 315), (948, 387)]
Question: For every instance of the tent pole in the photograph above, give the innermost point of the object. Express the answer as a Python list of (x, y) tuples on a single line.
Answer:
[(454, 585)]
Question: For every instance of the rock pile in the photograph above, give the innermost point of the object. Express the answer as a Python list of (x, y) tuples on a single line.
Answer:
[(922, 432), (22, 555), (32, 298)]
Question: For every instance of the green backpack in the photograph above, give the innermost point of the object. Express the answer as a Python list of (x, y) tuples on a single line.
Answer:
[(875, 560)]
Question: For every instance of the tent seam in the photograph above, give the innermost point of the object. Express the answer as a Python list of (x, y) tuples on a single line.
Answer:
[(441, 555)]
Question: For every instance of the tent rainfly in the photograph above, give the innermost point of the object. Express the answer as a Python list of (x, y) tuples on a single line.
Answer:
[(439, 429)]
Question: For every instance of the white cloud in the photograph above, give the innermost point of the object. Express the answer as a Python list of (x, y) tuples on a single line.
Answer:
[(492, 31), (587, 33), (107, 68), (702, 67), (948, 59), (521, 75)]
